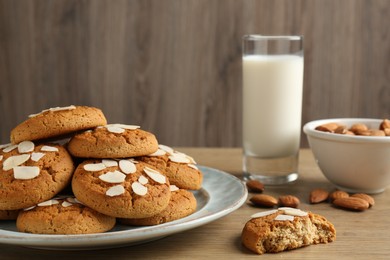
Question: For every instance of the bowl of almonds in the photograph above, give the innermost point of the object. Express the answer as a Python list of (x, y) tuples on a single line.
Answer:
[(352, 153)]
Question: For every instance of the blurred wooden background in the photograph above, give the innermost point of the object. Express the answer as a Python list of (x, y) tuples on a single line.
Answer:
[(174, 67)]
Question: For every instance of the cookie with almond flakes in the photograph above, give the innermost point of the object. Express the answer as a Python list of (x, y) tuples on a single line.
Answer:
[(180, 168), (30, 174), (63, 216), (284, 229), (182, 204), (113, 141), (57, 122), (122, 188)]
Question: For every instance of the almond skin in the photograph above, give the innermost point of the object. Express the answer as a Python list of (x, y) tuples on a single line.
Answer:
[(264, 200), (352, 203), (289, 201), (255, 186), (318, 195), (366, 197)]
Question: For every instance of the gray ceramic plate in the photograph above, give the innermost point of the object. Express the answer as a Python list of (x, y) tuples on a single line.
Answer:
[(221, 194)]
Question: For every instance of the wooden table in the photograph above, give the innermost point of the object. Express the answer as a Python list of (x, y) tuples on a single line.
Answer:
[(360, 235)]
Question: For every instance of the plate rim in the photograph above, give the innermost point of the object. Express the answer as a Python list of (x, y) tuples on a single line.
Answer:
[(126, 237)]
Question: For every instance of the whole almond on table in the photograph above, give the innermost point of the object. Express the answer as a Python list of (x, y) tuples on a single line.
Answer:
[(318, 195), (263, 200), (289, 201), (255, 186), (366, 197), (351, 203), (338, 194)]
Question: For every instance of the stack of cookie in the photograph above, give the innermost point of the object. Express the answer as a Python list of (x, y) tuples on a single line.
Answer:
[(114, 171)]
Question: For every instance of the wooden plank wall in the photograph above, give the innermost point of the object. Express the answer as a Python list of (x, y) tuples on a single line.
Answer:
[(174, 67)]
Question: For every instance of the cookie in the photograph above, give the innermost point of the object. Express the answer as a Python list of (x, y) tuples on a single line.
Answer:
[(121, 188), (57, 122), (182, 204), (30, 174), (285, 229), (8, 214), (180, 168), (63, 216), (113, 141)]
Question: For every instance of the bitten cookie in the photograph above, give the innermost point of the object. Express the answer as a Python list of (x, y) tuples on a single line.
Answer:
[(121, 188), (63, 216), (182, 204), (113, 141), (180, 168), (285, 229), (30, 174), (8, 214), (57, 122)]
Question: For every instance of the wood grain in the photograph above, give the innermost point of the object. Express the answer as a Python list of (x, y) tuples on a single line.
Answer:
[(174, 67)]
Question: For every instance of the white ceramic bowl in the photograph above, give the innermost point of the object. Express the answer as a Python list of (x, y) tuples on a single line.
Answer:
[(352, 163)]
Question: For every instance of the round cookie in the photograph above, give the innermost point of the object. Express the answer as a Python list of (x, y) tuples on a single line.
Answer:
[(63, 216), (30, 174), (113, 141), (182, 204), (8, 214), (178, 167), (121, 188), (57, 122)]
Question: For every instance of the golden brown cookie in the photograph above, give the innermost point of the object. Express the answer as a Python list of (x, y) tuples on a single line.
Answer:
[(57, 122), (63, 216), (30, 174), (180, 168), (182, 204), (8, 214), (285, 229), (113, 141), (121, 188)]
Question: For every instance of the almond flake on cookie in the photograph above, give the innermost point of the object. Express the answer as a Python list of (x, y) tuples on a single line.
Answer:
[(284, 218), (14, 161), (159, 152), (115, 191), (115, 129), (139, 189), (66, 204), (113, 177), (127, 166), (10, 147), (47, 148), (179, 158), (26, 147), (36, 156), (155, 175), (54, 109), (294, 212), (166, 148), (26, 172), (1, 158), (173, 187), (264, 213), (143, 180), (94, 167), (128, 127), (48, 203), (109, 163), (29, 208), (73, 200)]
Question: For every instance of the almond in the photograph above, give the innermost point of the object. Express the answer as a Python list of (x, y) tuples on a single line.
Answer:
[(366, 197), (329, 127), (289, 201), (318, 195), (358, 128), (352, 203), (385, 124), (338, 194), (255, 186), (264, 200)]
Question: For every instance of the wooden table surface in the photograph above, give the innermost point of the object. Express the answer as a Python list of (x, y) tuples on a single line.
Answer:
[(360, 235)]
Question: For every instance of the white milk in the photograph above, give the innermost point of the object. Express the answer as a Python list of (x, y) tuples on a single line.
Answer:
[(272, 104)]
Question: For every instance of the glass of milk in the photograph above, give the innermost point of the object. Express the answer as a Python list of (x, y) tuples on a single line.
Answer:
[(272, 106)]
